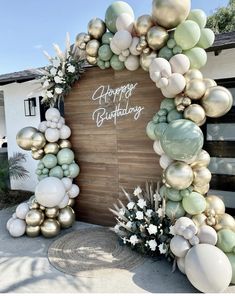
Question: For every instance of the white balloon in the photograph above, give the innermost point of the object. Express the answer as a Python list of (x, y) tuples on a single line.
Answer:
[(65, 132), (122, 39), (52, 114), (194, 240), (52, 135), (122, 58), (67, 183), (9, 223), (181, 264), (155, 76), (159, 65), (165, 161), (181, 224), (17, 228), (42, 126), (64, 202), (176, 85), (125, 22), (22, 210), (208, 268), (158, 148), (207, 235), (114, 47), (50, 192), (163, 82), (59, 125), (74, 191), (14, 215), (179, 246), (53, 124), (180, 63), (132, 63), (134, 43), (61, 120), (126, 53), (49, 123)]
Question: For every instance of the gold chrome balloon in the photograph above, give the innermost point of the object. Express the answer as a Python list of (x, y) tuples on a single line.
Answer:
[(170, 13), (217, 101), (199, 220), (195, 113), (91, 60), (24, 137), (51, 212), (37, 155), (209, 82), (193, 74), (80, 39), (143, 24), (157, 37), (202, 160), (202, 176), (195, 89), (216, 204), (92, 48), (38, 141), (50, 228), (34, 205), (71, 202), (65, 144), (33, 231), (66, 217), (146, 60), (179, 175), (51, 148), (42, 208), (225, 221), (34, 217), (96, 28), (202, 189)]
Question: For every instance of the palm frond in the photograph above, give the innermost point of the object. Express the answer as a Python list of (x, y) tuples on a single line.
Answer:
[(16, 170)]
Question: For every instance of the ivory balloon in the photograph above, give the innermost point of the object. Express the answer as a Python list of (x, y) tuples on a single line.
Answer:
[(22, 210), (17, 228), (73, 191), (179, 175), (96, 28), (217, 101), (180, 64), (24, 137), (225, 221), (193, 74), (66, 217), (165, 161), (132, 48), (176, 85), (32, 231), (52, 135), (64, 202), (9, 223), (170, 13), (34, 217), (64, 144), (51, 148), (209, 82), (92, 48), (125, 21), (42, 126), (132, 63), (195, 113), (181, 264), (202, 176), (179, 246), (50, 228), (52, 212), (158, 148), (216, 204), (157, 37), (160, 65), (143, 24), (114, 47), (65, 132), (67, 183), (52, 114), (195, 89), (208, 269), (202, 160), (123, 39), (207, 235), (181, 224)]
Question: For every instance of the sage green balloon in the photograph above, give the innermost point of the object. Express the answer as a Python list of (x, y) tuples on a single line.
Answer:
[(185, 192), (65, 167), (40, 166), (226, 240), (162, 190), (194, 203), (207, 38), (113, 11), (174, 115), (197, 57), (174, 210), (171, 43), (45, 171), (65, 156), (173, 194), (182, 140), (38, 172), (116, 64), (105, 53), (198, 16), (107, 65), (231, 258), (57, 172), (101, 64), (66, 173), (150, 130), (187, 34), (165, 53), (160, 129), (168, 104), (40, 177), (74, 170), (49, 161), (107, 37), (177, 50)]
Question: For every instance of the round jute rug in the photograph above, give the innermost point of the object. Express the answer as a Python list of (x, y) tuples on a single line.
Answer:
[(88, 250)]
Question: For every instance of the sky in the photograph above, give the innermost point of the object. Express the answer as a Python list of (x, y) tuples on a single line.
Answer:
[(27, 27)]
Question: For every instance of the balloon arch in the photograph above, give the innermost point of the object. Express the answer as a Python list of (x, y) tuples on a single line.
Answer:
[(169, 44)]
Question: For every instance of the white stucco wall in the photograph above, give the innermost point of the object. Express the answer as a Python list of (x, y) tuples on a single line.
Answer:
[(2, 123), (14, 96)]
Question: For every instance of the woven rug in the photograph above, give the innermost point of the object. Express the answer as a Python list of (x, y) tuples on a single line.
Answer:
[(86, 251)]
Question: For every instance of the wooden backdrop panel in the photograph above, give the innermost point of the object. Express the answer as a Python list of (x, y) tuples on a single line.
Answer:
[(111, 156)]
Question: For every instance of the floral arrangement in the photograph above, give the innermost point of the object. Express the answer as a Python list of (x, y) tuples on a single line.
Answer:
[(142, 223), (64, 70)]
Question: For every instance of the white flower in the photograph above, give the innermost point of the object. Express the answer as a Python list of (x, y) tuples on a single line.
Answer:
[(49, 94), (152, 229), (124, 240), (60, 73), (172, 230), (122, 212), (53, 71), (58, 79), (141, 203), (152, 244), (71, 69), (56, 63), (149, 213), (137, 191), (129, 224), (139, 215), (116, 227), (58, 90), (160, 212), (162, 248), (46, 83), (134, 240), (130, 205)]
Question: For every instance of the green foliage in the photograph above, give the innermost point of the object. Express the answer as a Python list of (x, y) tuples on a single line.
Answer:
[(223, 20)]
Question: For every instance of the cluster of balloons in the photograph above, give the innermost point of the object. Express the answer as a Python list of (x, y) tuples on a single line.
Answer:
[(50, 209)]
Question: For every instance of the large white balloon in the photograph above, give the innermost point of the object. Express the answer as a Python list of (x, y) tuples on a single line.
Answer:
[(165, 161), (67, 183), (65, 132), (181, 224), (158, 148), (122, 39), (132, 63), (176, 85), (17, 228), (42, 126), (180, 63), (181, 264), (74, 191), (22, 210), (125, 22), (179, 246), (134, 43), (52, 114), (207, 235), (162, 66), (52, 135), (208, 268), (64, 202), (50, 192)]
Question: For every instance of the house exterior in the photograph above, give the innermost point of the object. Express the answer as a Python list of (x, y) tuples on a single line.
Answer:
[(17, 88)]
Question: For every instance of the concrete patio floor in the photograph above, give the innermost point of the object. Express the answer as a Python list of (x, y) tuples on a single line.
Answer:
[(24, 268)]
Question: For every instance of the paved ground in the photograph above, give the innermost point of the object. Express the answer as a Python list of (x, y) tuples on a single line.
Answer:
[(24, 268)]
